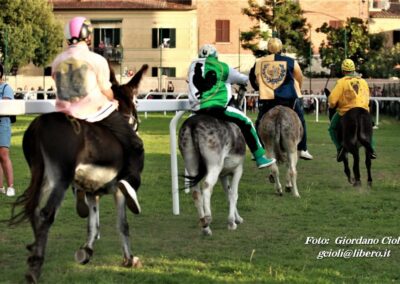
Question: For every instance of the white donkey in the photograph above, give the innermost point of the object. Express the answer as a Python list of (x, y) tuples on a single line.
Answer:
[(212, 149), (280, 130)]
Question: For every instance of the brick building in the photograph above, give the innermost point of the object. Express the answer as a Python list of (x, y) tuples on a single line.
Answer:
[(334, 13), (385, 18), (166, 34)]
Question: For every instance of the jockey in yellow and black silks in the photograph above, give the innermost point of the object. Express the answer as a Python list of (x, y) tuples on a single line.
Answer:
[(349, 92), (278, 80), (210, 92)]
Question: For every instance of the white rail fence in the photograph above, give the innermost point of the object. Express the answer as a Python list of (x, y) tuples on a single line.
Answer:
[(178, 105)]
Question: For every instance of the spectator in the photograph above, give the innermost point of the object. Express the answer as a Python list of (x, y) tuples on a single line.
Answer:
[(170, 87), (19, 95), (109, 50), (40, 93), (101, 48), (51, 95), (6, 93)]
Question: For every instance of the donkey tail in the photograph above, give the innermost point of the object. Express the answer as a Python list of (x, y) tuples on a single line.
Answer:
[(279, 143), (29, 199), (187, 132)]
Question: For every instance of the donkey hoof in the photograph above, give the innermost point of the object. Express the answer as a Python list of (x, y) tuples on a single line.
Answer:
[(30, 277), (239, 220), (357, 183), (206, 231), (370, 184), (132, 262), (271, 178), (82, 256), (232, 226), (29, 247), (288, 189)]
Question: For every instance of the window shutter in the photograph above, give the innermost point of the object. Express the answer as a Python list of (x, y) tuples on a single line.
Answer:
[(226, 31), (154, 42), (172, 34), (222, 31), (218, 30)]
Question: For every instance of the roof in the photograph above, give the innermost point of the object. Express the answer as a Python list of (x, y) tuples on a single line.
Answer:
[(122, 5), (392, 12)]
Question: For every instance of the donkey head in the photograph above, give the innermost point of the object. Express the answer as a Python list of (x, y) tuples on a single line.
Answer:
[(126, 94)]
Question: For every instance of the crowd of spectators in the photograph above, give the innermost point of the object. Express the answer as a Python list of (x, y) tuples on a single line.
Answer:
[(32, 94), (391, 108)]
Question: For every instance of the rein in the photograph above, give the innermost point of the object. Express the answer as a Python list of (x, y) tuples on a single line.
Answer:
[(76, 126)]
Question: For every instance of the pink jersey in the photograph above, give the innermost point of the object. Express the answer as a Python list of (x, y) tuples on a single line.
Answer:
[(81, 76)]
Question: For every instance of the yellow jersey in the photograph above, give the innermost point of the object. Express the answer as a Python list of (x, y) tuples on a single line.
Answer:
[(349, 92)]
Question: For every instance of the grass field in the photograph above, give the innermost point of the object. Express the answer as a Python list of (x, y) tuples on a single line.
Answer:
[(269, 247)]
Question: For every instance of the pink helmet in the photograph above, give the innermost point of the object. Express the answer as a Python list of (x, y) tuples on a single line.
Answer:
[(78, 29)]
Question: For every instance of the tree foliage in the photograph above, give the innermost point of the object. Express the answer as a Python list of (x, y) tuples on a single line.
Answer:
[(353, 41), (29, 33), (286, 20)]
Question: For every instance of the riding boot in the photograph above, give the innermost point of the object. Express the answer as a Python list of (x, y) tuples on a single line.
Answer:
[(340, 154), (130, 195), (129, 177)]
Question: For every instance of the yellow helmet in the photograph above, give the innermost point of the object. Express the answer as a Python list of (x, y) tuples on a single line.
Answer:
[(348, 65), (274, 45)]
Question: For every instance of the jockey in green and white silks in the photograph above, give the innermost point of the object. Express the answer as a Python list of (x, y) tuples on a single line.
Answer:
[(210, 92)]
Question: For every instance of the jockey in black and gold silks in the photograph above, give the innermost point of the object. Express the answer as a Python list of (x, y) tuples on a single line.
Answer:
[(278, 80)]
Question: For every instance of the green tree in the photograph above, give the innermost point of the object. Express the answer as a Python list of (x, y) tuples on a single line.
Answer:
[(286, 20), (29, 33), (351, 40)]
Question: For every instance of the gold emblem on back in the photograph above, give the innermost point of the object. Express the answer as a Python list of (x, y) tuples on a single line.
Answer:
[(273, 73)]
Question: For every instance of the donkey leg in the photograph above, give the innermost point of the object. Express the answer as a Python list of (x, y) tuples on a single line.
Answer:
[(234, 217), (235, 186), (368, 165), (356, 168), (347, 168), (209, 183), (122, 224), (292, 171), (227, 189), (84, 254), (275, 174), (41, 221)]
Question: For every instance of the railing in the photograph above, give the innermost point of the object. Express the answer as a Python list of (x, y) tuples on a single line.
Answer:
[(180, 106), (20, 107)]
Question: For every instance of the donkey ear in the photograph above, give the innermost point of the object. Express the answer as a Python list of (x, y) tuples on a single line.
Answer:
[(134, 82), (113, 78), (144, 68)]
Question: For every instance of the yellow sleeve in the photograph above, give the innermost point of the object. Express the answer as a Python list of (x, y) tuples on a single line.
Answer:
[(297, 74), (335, 95)]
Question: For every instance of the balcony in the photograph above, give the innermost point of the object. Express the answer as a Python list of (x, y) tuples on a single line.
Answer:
[(113, 54)]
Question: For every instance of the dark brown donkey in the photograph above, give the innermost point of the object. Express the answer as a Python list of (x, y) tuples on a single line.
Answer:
[(61, 152)]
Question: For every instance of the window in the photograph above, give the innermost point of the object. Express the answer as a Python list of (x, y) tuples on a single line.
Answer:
[(380, 4), (47, 71), (107, 38), (222, 30), (107, 42), (396, 37), (166, 71), (336, 24), (163, 37)]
